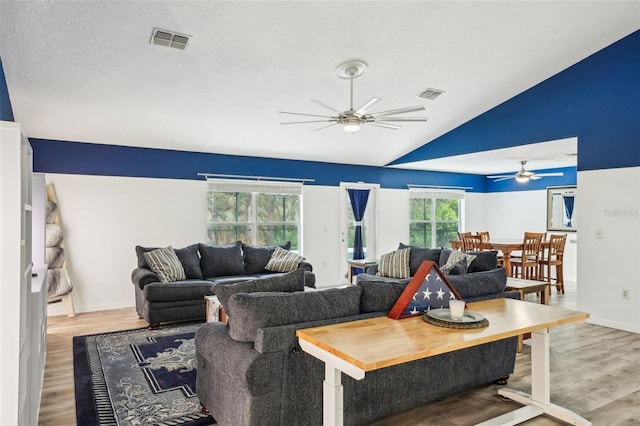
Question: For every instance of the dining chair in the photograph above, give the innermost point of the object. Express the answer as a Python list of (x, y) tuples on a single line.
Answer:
[(553, 256), (484, 236), (472, 243), (527, 263)]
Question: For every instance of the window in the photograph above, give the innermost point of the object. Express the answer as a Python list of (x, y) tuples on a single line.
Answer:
[(254, 212), (434, 217)]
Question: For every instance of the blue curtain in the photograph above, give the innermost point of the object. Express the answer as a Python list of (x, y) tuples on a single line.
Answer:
[(358, 198), (568, 206)]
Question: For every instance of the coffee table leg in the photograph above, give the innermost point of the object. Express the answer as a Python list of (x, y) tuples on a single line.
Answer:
[(539, 401)]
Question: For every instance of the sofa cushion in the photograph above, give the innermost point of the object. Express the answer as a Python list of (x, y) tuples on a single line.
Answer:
[(220, 260), (178, 291), (379, 293), (252, 311), (456, 257), (188, 257), (479, 283), (165, 263), (395, 264), (283, 260), (257, 257), (419, 255), (190, 261), (293, 281)]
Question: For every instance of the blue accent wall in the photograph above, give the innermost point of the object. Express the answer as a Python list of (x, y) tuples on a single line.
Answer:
[(51, 156), (6, 112), (597, 100)]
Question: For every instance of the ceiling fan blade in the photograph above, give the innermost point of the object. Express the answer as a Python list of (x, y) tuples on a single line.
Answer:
[(367, 106), (502, 178), (535, 177), (308, 115), (312, 121), (324, 127), (384, 118), (385, 125), (323, 105), (549, 174), (499, 176), (398, 111)]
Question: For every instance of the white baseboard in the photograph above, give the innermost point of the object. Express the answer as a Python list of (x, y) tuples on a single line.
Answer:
[(613, 324), (56, 309)]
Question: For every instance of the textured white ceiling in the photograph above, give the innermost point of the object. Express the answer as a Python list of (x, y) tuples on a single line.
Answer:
[(85, 71)]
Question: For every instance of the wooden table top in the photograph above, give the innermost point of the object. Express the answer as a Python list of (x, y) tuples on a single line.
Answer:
[(521, 283), (381, 342)]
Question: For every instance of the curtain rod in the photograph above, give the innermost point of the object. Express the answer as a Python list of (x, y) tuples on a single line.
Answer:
[(438, 187), (258, 178)]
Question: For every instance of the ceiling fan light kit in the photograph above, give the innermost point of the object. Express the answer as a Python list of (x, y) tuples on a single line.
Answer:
[(353, 119)]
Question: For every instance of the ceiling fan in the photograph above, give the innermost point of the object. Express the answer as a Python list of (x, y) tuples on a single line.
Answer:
[(352, 119), (524, 176)]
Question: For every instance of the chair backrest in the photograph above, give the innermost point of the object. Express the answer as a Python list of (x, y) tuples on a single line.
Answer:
[(556, 244), (472, 243), (462, 235), (484, 236), (531, 244)]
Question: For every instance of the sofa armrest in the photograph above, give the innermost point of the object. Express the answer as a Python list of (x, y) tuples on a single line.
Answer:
[(306, 266), (371, 269), (247, 368), (143, 276)]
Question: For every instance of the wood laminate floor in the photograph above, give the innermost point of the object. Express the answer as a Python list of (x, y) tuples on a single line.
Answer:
[(595, 371)]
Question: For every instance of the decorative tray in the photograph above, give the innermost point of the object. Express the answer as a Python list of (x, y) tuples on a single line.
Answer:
[(442, 318)]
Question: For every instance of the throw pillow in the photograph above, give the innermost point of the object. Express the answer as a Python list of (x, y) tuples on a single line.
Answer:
[(457, 268), (283, 261), (257, 257), (419, 255), (287, 283), (221, 260), (456, 256), (379, 294), (188, 257), (395, 264), (165, 263)]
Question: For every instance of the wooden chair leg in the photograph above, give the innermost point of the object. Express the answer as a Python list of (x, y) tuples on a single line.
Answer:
[(559, 278), (68, 300)]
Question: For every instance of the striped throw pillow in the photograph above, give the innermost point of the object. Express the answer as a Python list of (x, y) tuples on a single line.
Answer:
[(165, 263), (283, 261), (395, 264)]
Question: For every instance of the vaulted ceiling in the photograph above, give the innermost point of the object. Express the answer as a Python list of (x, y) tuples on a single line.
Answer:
[(87, 72)]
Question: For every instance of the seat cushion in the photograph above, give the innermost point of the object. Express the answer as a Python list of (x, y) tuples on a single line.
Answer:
[(221, 260), (178, 290)]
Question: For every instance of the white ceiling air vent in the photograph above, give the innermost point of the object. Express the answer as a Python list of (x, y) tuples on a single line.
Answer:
[(430, 94), (170, 39)]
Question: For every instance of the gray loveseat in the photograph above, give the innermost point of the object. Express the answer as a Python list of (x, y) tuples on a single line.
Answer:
[(484, 278), (204, 265), (252, 371)]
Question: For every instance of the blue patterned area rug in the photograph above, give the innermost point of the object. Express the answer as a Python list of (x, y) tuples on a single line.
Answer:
[(138, 377)]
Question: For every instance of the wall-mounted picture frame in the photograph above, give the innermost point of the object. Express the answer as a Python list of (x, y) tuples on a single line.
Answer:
[(561, 208), (428, 289)]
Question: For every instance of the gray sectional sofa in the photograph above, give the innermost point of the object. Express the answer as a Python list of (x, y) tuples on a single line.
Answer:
[(204, 265), (252, 371)]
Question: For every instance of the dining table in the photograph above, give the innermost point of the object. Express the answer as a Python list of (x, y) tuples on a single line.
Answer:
[(505, 245)]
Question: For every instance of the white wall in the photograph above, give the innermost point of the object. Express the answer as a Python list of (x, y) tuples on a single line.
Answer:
[(609, 200), (104, 218)]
